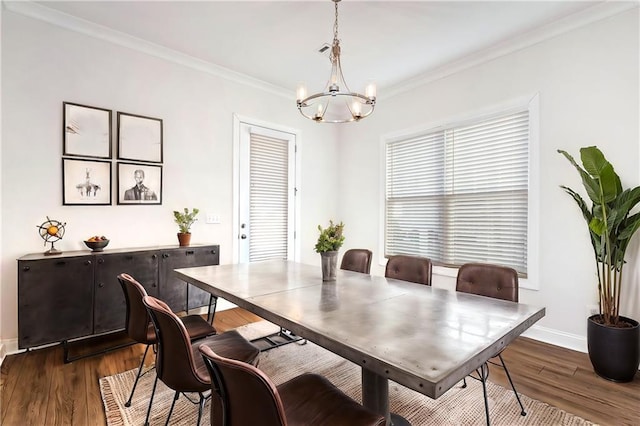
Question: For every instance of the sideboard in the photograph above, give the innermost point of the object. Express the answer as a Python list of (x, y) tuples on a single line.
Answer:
[(77, 294)]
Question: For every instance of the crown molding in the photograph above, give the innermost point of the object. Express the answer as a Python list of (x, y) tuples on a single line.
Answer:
[(91, 29), (595, 13)]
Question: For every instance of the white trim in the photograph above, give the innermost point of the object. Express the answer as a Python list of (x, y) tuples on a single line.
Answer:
[(557, 338), (237, 121), (91, 29), (595, 13)]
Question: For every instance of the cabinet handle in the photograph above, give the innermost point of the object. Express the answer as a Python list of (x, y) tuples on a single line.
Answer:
[(101, 285), (88, 262), (190, 252), (61, 263), (155, 256), (101, 261), (26, 268), (129, 257), (153, 285), (213, 252), (165, 255)]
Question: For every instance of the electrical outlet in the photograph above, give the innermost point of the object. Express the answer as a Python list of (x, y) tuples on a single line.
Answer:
[(593, 310), (212, 218)]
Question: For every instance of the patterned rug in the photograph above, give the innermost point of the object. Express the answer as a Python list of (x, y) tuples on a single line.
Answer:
[(457, 407)]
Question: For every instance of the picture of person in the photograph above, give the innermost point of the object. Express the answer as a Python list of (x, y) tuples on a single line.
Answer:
[(139, 191)]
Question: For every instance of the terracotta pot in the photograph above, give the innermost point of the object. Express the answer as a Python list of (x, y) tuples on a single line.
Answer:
[(614, 352), (329, 265), (184, 239)]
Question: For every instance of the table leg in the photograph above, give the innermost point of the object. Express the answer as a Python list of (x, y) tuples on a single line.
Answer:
[(375, 396)]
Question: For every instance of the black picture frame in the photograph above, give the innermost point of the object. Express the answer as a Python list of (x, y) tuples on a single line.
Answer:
[(86, 182), (86, 131), (139, 138), (130, 193)]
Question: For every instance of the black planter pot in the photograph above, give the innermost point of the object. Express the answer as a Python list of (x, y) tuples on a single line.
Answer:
[(614, 352)]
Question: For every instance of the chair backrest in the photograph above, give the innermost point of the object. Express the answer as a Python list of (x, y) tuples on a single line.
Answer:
[(175, 364), (357, 260), (138, 320), (409, 268), (499, 282), (246, 396)]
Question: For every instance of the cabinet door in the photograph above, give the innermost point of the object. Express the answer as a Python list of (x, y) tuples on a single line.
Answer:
[(110, 307), (174, 291), (55, 300)]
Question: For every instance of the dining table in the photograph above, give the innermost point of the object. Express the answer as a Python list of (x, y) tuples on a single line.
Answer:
[(422, 337)]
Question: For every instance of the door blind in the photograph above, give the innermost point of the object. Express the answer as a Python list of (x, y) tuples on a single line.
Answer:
[(268, 192), (460, 194)]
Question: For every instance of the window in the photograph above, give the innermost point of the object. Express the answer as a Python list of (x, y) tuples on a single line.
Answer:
[(459, 193)]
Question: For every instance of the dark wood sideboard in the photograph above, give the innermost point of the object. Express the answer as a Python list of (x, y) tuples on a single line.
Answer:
[(77, 294)]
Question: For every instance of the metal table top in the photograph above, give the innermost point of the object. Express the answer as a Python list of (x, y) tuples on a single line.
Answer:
[(424, 338)]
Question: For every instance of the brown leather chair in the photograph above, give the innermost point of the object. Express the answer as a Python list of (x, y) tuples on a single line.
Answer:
[(357, 260), (139, 327), (409, 268), (176, 364), (244, 395), (498, 282)]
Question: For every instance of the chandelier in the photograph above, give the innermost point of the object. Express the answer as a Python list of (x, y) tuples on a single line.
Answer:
[(336, 104)]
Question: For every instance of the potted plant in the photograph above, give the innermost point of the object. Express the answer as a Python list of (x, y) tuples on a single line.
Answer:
[(329, 242), (613, 340), (185, 220)]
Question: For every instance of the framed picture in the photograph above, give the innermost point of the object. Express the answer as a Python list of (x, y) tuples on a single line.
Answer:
[(139, 138), (139, 184), (86, 131), (86, 182)]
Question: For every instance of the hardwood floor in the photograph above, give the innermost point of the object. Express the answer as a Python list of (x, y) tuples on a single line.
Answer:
[(37, 388)]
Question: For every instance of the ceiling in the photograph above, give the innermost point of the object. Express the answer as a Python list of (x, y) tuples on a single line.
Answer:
[(388, 42)]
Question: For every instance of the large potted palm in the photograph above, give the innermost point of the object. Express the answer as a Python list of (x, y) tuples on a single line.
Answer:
[(613, 340)]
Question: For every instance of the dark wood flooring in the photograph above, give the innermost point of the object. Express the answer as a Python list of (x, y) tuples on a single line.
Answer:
[(37, 388)]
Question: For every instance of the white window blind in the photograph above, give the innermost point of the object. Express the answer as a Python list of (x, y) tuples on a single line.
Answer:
[(268, 192), (460, 194)]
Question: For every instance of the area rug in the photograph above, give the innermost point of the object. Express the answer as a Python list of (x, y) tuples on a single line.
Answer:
[(457, 407)]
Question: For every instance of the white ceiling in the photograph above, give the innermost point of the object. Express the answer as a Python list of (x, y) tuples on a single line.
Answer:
[(389, 42)]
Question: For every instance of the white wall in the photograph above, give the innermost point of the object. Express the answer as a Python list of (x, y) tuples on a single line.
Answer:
[(44, 65), (588, 88), (587, 81)]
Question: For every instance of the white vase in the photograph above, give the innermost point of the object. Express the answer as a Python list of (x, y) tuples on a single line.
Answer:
[(329, 265)]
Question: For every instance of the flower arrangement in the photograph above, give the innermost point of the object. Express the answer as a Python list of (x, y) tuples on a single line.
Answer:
[(330, 238)]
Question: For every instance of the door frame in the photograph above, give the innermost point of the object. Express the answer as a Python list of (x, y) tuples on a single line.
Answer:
[(238, 120)]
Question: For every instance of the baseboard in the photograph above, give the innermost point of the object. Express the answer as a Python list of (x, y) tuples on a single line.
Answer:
[(3, 353), (8, 347), (558, 338)]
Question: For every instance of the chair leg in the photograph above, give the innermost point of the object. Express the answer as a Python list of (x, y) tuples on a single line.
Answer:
[(173, 403), (464, 382), (153, 392), (523, 412), (203, 400), (483, 373), (133, 389)]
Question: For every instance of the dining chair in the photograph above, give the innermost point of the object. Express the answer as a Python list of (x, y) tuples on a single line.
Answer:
[(139, 327), (308, 399), (498, 282), (357, 260), (416, 269), (176, 363)]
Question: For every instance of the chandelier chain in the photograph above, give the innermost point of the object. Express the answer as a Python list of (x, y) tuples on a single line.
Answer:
[(335, 25)]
